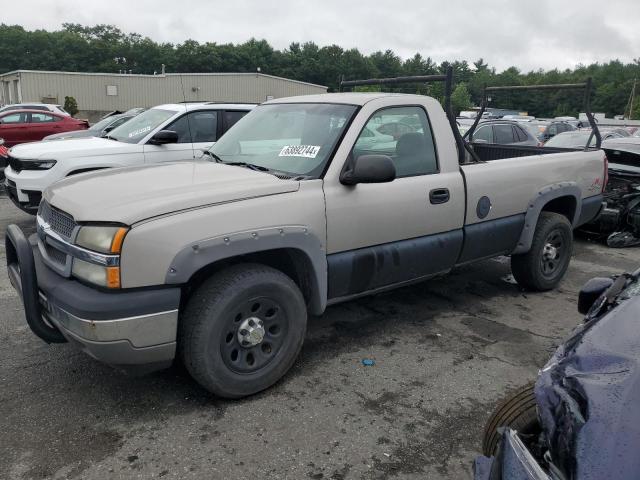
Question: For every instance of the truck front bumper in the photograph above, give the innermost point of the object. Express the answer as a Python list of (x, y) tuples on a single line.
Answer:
[(131, 330)]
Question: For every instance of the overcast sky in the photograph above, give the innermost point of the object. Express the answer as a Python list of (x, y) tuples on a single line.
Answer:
[(530, 34)]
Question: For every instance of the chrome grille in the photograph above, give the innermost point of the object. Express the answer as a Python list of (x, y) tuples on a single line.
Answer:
[(60, 222)]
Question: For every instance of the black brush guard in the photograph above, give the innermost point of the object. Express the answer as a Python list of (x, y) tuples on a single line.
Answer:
[(22, 274)]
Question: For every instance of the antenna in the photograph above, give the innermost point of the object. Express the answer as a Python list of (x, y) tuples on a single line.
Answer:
[(186, 109)]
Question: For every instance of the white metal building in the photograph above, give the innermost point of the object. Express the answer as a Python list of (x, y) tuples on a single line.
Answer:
[(97, 93)]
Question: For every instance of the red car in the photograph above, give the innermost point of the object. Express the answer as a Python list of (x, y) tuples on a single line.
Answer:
[(20, 126)]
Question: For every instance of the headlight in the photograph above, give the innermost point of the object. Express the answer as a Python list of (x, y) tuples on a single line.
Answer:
[(105, 270), (108, 277), (37, 164), (103, 239)]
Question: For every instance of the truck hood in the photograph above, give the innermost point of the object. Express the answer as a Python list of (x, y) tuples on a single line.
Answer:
[(80, 147), (130, 195)]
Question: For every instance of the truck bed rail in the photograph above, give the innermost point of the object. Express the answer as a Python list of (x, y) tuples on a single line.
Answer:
[(587, 85)]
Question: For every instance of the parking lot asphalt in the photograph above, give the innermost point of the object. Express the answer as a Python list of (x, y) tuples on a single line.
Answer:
[(445, 352)]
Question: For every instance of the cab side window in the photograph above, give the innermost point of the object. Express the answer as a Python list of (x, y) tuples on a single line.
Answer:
[(520, 134), (404, 134), (42, 118), (503, 133), (14, 118), (231, 117), (484, 134), (199, 126)]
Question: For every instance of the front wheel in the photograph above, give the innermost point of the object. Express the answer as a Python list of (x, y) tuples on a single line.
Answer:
[(545, 264), (242, 330), (517, 412)]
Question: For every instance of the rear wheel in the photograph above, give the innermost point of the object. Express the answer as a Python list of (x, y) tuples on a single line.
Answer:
[(545, 264), (242, 330), (517, 412)]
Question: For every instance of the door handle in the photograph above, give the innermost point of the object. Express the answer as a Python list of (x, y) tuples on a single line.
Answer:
[(439, 195)]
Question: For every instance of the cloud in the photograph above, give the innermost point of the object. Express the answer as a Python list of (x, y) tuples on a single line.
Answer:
[(528, 34)]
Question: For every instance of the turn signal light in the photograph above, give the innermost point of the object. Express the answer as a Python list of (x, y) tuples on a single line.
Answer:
[(113, 277), (118, 238)]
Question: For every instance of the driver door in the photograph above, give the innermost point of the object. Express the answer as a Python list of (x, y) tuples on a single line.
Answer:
[(382, 234)]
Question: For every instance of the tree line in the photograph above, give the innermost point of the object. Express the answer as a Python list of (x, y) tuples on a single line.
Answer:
[(105, 48)]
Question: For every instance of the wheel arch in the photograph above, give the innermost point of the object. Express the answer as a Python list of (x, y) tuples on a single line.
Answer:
[(562, 198), (295, 251)]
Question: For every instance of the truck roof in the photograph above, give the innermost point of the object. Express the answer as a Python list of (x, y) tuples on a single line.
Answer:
[(347, 98)]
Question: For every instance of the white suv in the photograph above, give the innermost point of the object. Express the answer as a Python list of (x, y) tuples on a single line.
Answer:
[(164, 133)]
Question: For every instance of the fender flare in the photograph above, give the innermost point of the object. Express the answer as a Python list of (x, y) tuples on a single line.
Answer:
[(535, 206), (202, 253)]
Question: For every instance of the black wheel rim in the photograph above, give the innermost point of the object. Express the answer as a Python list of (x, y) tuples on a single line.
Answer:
[(249, 358), (553, 253)]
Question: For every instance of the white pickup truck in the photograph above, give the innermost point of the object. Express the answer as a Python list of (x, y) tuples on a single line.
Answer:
[(164, 133), (219, 260)]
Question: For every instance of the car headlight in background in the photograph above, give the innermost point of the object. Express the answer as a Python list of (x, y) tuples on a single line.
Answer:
[(107, 240), (37, 164)]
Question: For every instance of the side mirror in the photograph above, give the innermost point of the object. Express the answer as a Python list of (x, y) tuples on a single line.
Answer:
[(591, 291), (369, 169), (163, 137)]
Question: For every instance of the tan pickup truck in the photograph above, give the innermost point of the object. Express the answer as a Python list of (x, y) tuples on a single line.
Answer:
[(306, 202)]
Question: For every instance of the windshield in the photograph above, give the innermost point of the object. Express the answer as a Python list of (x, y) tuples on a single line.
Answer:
[(139, 127), (535, 129), (101, 125), (570, 140), (295, 138)]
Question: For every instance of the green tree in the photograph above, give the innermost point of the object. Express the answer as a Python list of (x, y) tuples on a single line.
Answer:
[(460, 98), (106, 48), (71, 106)]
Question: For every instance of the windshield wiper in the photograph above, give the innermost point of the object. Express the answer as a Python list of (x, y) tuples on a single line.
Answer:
[(215, 157), (251, 166), (109, 137)]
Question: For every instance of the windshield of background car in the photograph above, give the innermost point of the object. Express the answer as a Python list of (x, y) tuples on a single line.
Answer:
[(295, 138), (140, 126), (535, 129), (101, 125), (570, 140)]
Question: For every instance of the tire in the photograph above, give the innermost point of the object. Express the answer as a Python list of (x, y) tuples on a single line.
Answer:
[(255, 303), (517, 412), (546, 263)]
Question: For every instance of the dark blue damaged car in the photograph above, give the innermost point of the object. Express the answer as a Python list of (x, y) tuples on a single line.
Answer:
[(581, 419)]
